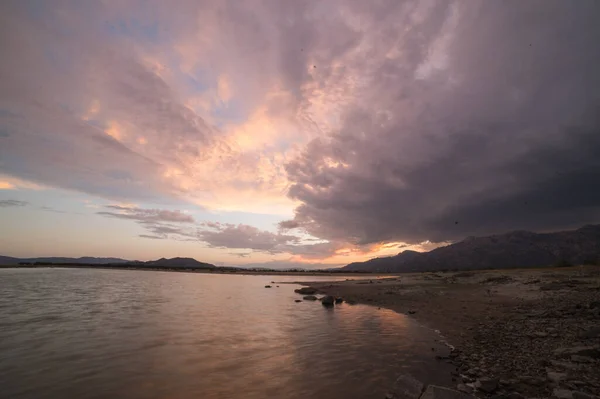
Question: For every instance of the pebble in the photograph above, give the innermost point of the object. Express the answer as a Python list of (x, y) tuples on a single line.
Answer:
[(562, 394), (487, 385), (556, 377), (539, 334), (464, 388), (583, 395)]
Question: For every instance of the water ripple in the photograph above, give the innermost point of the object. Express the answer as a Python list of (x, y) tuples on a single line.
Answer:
[(126, 334)]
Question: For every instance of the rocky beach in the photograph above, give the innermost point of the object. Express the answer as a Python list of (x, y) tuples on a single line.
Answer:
[(521, 333)]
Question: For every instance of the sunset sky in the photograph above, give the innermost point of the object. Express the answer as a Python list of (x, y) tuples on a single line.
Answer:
[(293, 133)]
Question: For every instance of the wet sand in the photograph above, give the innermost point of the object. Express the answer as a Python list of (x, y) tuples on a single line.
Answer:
[(530, 332)]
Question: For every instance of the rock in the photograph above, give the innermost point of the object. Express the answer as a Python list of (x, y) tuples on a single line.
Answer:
[(562, 394), (298, 300), (529, 380), (564, 365), (487, 385), (309, 298), (339, 300), (412, 311), (591, 333), (583, 395), (539, 334), (590, 351), (581, 359), (471, 372), (556, 377), (327, 300), (267, 286), (464, 388), (305, 291), (406, 386), (436, 392)]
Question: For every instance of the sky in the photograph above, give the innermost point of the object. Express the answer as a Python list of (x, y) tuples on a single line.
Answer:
[(293, 133)]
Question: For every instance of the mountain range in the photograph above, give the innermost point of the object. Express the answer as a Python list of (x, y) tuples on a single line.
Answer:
[(187, 263), (178, 262), (8, 260), (515, 249)]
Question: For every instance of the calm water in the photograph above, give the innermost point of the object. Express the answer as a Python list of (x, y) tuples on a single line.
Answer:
[(77, 333)]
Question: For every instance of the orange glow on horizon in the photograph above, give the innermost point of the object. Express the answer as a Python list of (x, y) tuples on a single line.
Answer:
[(4, 185)]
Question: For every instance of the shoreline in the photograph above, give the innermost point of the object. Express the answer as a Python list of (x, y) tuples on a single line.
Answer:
[(518, 333)]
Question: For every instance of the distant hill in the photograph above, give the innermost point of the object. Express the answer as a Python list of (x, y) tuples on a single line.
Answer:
[(7, 260), (380, 264), (515, 249), (187, 263), (179, 262)]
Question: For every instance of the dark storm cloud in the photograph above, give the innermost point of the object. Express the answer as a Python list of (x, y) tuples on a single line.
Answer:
[(487, 122)]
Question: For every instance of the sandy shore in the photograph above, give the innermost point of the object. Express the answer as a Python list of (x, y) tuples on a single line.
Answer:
[(528, 333)]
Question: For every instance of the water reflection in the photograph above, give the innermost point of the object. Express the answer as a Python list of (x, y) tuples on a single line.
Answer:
[(109, 333)]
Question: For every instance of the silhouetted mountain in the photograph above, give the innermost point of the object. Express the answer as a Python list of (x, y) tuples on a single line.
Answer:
[(515, 249), (7, 260), (179, 262), (187, 263), (379, 264)]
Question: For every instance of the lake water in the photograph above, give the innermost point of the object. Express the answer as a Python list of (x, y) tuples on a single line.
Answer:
[(81, 333)]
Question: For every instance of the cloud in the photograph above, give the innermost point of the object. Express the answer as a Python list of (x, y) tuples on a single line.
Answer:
[(241, 254), (476, 119), (118, 101), (288, 224), (11, 203), (246, 237), (393, 122), (50, 209), (151, 237), (177, 225), (147, 215), (160, 223)]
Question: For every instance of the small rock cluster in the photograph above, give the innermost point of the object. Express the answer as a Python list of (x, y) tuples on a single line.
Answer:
[(326, 301)]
